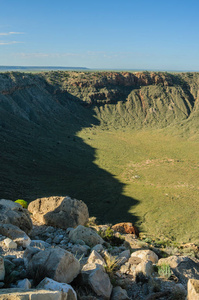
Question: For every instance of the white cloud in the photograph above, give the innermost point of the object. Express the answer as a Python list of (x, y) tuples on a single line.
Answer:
[(10, 43), (10, 33), (51, 55)]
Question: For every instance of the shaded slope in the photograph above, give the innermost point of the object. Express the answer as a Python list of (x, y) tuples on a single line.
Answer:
[(40, 154)]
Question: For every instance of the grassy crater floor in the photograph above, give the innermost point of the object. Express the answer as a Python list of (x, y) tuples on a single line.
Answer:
[(158, 172)]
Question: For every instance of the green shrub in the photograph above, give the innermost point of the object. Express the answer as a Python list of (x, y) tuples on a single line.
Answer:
[(23, 203), (164, 270)]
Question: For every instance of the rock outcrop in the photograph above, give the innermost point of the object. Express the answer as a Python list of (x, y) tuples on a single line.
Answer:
[(56, 263), (88, 235), (62, 212), (13, 213), (16, 234)]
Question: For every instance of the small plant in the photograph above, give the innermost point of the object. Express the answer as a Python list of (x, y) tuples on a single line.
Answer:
[(109, 236), (22, 202), (164, 270), (112, 263)]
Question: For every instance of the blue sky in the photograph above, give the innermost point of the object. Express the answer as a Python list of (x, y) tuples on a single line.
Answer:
[(117, 34)]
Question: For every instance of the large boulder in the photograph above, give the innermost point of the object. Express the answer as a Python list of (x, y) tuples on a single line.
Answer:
[(62, 212), (21, 294), (16, 234), (13, 213), (95, 276), (55, 263), (119, 294), (52, 285), (88, 235), (146, 255), (193, 289)]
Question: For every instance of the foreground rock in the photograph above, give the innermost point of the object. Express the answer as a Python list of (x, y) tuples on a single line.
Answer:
[(55, 263), (95, 276), (119, 294), (20, 294), (13, 213), (193, 289), (88, 235), (146, 255), (62, 212), (52, 285), (15, 234), (2, 269)]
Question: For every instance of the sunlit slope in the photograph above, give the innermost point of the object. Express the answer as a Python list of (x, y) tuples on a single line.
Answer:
[(160, 171)]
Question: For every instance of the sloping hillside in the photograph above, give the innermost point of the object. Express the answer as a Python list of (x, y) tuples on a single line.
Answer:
[(118, 141)]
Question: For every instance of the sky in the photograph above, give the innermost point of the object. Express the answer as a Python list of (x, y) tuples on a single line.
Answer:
[(119, 34)]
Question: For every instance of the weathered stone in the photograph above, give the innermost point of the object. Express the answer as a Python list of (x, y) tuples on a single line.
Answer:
[(10, 244), (24, 284), (13, 213), (80, 250), (55, 263), (98, 279), (59, 212), (39, 244), (98, 248), (15, 234), (2, 269), (20, 294), (126, 228), (96, 258), (134, 260), (146, 255), (9, 266), (145, 267), (88, 235), (52, 285), (132, 243), (119, 294), (193, 289), (125, 254), (123, 257)]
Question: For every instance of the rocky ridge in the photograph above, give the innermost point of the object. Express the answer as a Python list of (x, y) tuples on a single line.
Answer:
[(90, 262)]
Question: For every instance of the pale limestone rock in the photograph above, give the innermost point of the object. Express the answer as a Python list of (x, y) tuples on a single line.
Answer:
[(173, 260), (98, 279), (24, 284), (96, 258), (193, 289), (15, 234), (88, 235), (55, 263), (62, 212), (145, 267), (20, 294), (2, 269), (52, 285), (146, 255), (10, 244), (119, 294), (13, 213)]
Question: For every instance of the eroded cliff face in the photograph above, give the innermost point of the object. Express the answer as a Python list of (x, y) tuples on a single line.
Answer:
[(136, 99)]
